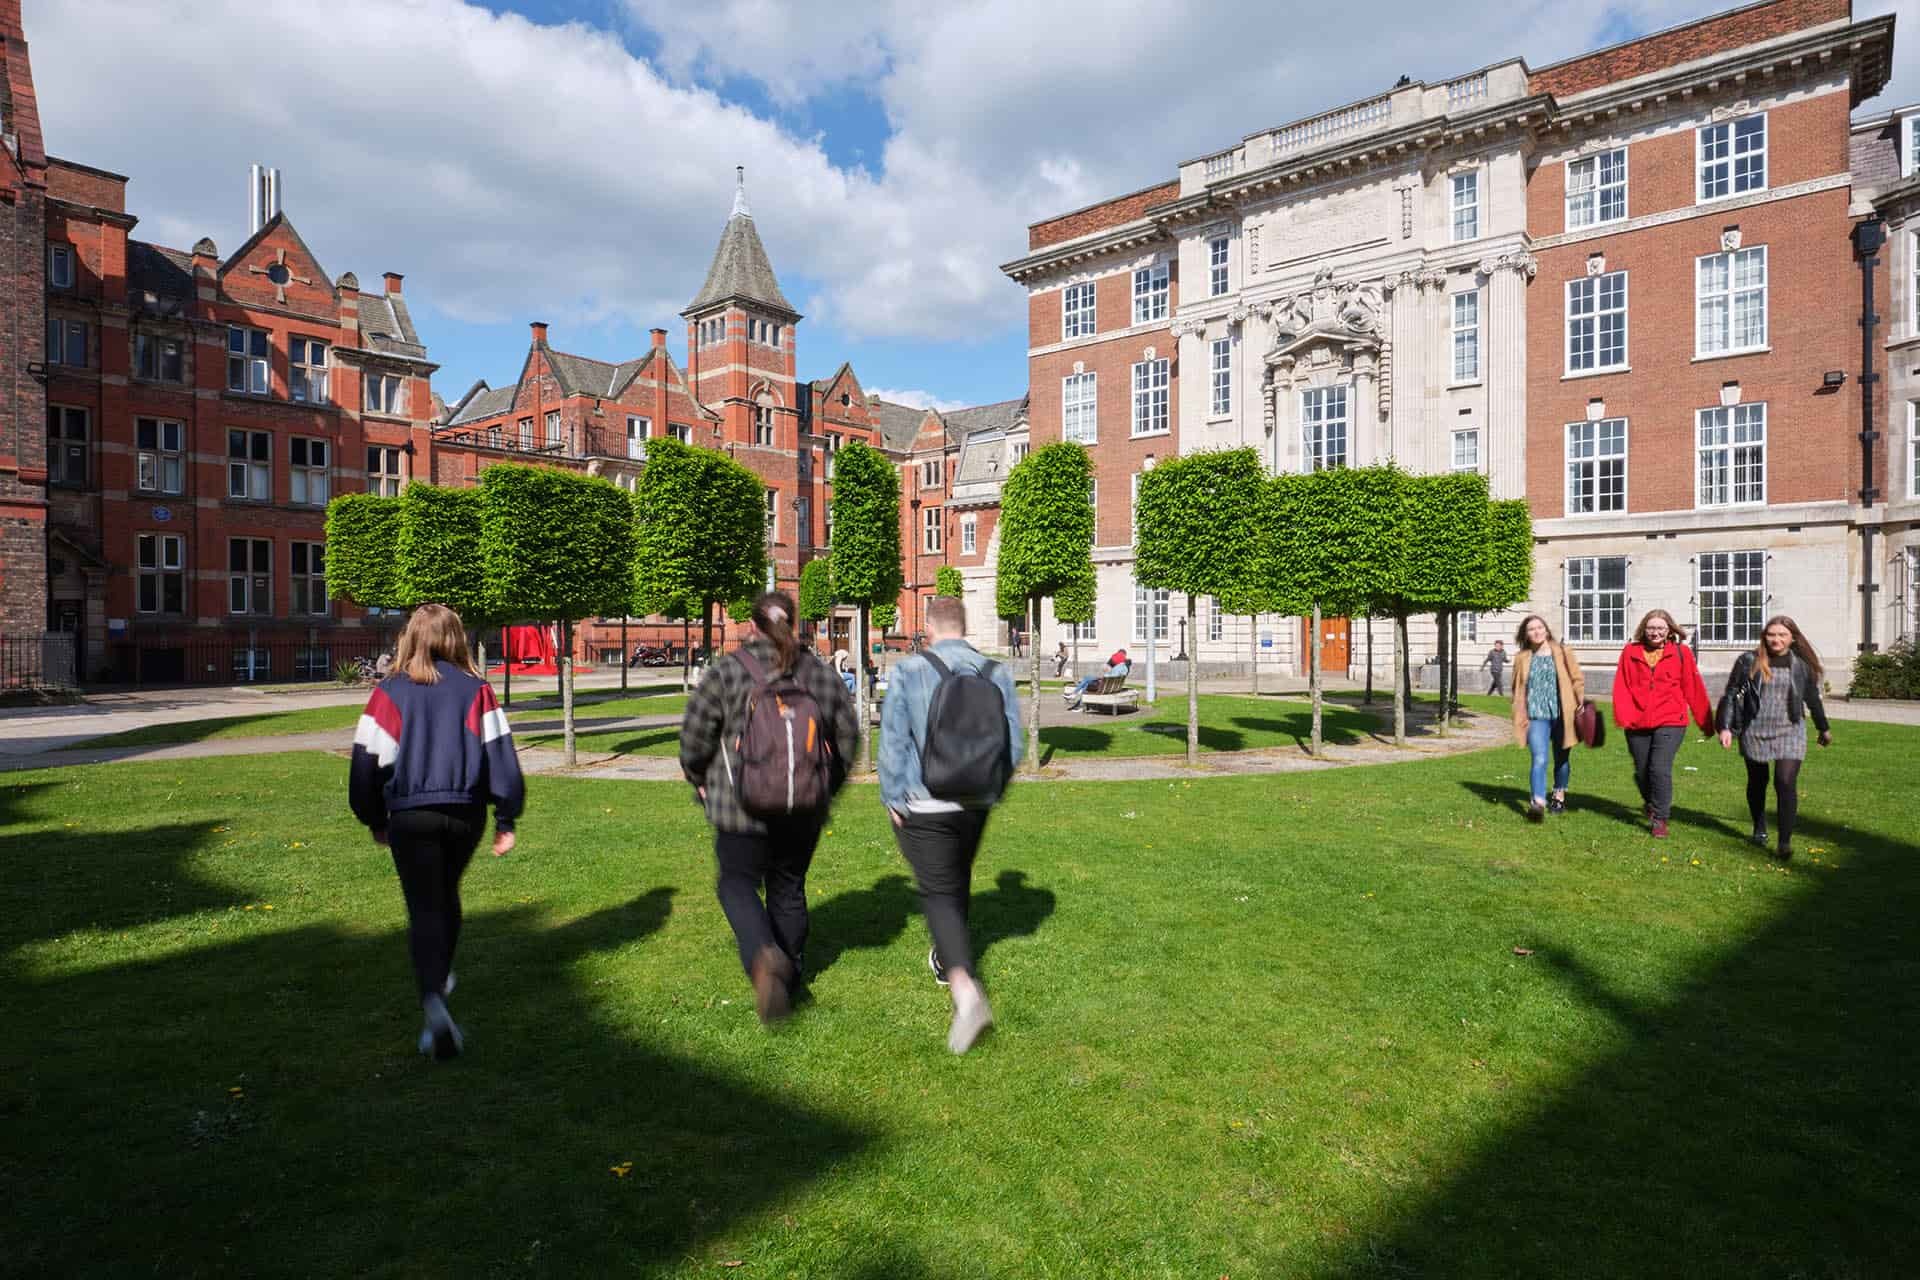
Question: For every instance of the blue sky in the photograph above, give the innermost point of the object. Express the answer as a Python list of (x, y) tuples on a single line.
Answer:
[(573, 163)]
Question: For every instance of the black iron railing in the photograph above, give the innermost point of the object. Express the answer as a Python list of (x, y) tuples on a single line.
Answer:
[(44, 661)]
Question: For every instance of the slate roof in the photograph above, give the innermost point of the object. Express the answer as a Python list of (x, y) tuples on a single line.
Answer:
[(983, 449), (484, 402), (386, 326), (962, 423), (159, 278), (740, 270), (899, 424)]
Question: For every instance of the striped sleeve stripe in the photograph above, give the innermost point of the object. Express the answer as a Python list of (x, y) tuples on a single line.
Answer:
[(494, 725), (373, 736)]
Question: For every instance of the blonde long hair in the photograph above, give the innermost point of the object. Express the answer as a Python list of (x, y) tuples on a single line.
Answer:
[(433, 634), (1800, 646), (1674, 634)]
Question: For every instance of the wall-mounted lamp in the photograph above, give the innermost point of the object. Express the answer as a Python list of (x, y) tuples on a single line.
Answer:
[(1833, 378), (36, 370)]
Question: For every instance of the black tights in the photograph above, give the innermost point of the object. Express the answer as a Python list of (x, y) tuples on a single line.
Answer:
[(1786, 781)]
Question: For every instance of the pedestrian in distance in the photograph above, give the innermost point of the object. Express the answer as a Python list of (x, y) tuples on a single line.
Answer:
[(1495, 665), (765, 744), (1656, 687), (1768, 698), (431, 751), (1548, 688), (1060, 660), (949, 742)]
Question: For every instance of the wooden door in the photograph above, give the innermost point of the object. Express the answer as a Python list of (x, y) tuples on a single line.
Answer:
[(1335, 644)]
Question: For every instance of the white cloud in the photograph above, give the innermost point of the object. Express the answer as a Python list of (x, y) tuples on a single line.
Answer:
[(917, 399)]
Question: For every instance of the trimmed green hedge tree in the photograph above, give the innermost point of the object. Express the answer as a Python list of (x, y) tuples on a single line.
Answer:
[(362, 532), (948, 582), (866, 550), (1046, 545), (702, 536), (437, 553), (1075, 603), (1446, 518), (816, 591)]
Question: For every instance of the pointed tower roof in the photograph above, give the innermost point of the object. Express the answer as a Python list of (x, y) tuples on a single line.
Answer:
[(740, 268)]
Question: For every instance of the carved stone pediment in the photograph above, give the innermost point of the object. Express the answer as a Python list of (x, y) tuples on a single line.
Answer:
[(1341, 319)]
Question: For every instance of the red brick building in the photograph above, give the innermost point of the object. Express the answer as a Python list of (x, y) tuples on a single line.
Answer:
[(23, 441)]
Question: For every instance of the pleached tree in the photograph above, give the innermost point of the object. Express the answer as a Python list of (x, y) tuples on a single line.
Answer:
[(866, 552), (1046, 545), (702, 537)]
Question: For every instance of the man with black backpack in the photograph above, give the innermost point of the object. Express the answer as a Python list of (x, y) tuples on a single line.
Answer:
[(949, 741), (766, 742)]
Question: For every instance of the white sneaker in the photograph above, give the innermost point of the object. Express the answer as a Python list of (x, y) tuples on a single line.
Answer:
[(970, 1019), (446, 988), (441, 1036), (933, 963)]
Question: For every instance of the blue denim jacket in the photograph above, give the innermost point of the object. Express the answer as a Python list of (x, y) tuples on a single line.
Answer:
[(903, 719)]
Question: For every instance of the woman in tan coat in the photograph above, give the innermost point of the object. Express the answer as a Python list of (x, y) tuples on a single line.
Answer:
[(1548, 688)]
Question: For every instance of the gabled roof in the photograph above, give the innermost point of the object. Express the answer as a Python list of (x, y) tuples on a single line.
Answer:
[(999, 416), (159, 278), (275, 223), (740, 269), (482, 402), (385, 326), (899, 424), (585, 376)]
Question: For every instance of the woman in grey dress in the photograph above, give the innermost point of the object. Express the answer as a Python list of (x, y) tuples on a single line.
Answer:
[(1771, 722)]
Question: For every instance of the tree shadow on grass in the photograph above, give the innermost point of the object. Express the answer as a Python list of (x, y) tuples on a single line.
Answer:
[(1212, 737), (1011, 909), (258, 1107), (53, 883), (1335, 730), (1757, 1119), (858, 919), (1516, 799), (1073, 739)]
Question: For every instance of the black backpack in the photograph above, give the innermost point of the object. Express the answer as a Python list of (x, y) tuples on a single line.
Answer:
[(785, 755), (968, 754)]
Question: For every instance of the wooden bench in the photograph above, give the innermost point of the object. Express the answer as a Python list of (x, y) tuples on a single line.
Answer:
[(1112, 694)]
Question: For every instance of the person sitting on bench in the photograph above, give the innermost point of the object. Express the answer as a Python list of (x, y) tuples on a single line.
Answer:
[(1117, 665)]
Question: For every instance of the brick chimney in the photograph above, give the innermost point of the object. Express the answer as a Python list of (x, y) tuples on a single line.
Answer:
[(393, 281), (539, 328), (659, 339)]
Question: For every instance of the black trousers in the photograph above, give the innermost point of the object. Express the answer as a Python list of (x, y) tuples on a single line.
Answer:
[(1786, 783), (431, 848), (777, 861), (1493, 679), (940, 847), (1653, 751)]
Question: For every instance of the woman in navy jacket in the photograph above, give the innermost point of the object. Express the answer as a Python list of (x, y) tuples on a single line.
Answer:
[(432, 749)]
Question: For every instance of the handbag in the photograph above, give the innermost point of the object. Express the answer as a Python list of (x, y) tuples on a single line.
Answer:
[(1743, 702), (1589, 725)]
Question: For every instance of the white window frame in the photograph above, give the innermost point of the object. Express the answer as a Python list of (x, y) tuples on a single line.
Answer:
[(1600, 620), (385, 393), (309, 483), (250, 585), (969, 535), (1151, 412), (680, 431), (553, 430), (1466, 337), (1216, 620), (1722, 169), (306, 369), (1730, 598), (932, 530), (66, 338), (1080, 408), (1322, 410), (64, 445), (773, 515), (151, 357), (60, 266), (384, 477), (1722, 301), (638, 430), (309, 585), (249, 361), (1913, 277), (1913, 444), (1587, 467), (157, 558), (763, 424), (1910, 146), (1730, 456), (1463, 216), (1152, 289), (1595, 313), (933, 473), (160, 467), (254, 473), (1468, 458), (1079, 311), (1093, 502), (1220, 377), (1162, 608), (1587, 203), (1219, 264)]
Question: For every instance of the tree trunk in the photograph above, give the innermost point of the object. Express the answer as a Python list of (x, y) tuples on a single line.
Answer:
[(1253, 651), (1193, 685), (1368, 699), (860, 701), (566, 686), (1314, 679), (1440, 676), (706, 634), (686, 653), (1153, 689), (1453, 651), (624, 656), (507, 649), (1033, 699), (1399, 680)]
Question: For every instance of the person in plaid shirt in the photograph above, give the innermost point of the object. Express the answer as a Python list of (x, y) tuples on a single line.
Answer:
[(756, 854)]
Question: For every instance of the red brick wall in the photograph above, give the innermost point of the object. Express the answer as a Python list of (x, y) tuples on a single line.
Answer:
[(1116, 456), (82, 185), (1112, 213), (1718, 34)]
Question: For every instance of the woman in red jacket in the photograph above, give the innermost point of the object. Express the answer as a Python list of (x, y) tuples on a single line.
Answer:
[(1656, 687)]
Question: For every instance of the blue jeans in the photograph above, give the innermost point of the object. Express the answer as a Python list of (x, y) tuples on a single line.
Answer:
[(1543, 738)]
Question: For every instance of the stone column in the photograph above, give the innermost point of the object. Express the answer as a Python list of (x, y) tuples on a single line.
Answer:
[(1418, 452), (1505, 328)]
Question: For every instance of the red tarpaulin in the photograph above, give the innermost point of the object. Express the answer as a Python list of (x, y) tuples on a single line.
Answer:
[(530, 650)]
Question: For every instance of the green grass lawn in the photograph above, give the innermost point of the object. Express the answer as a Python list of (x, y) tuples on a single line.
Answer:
[(1253, 1027)]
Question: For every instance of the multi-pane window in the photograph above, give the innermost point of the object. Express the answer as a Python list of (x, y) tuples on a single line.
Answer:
[(384, 392), (526, 433), (1216, 619), (1075, 630), (1466, 336), (1597, 189), (159, 456), (383, 471), (1596, 466), (1913, 284), (307, 370), (249, 575), (307, 461), (933, 473), (159, 358), (1733, 157), (66, 341), (1732, 596), (1597, 322), (1733, 456), (638, 429), (309, 577), (1466, 205), (60, 266), (1220, 377), (1730, 292), (969, 535), (930, 528), (1323, 428), (1596, 599), (1076, 316), (1150, 293), (250, 465), (773, 515), (1150, 397), (1910, 133), (1217, 248), (1143, 599), (163, 578), (1093, 502), (763, 424), (66, 446), (247, 368), (554, 431), (1469, 626), (680, 431), (1466, 450), (1913, 448), (1019, 451), (1078, 405)]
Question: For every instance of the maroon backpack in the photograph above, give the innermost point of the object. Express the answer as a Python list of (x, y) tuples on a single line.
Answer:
[(784, 755)]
